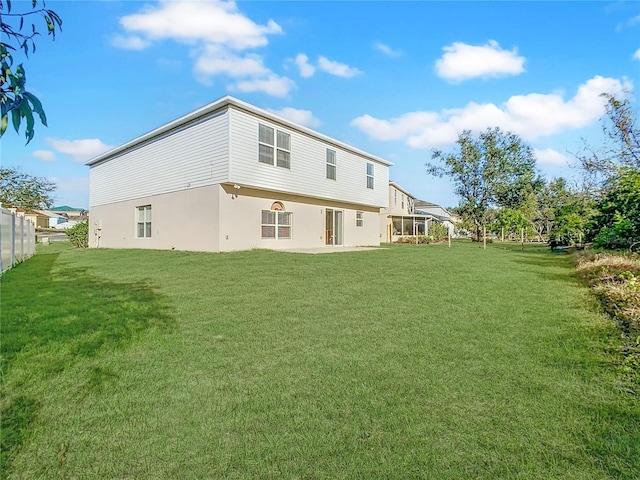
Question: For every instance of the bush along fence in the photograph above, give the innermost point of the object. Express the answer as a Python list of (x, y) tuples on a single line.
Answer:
[(17, 239)]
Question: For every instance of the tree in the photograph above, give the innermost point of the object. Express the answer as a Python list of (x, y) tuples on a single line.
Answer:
[(15, 100), (18, 189), (614, 174), (620, 149), (617, 223), (513, 221), (494, 169), (569, 223)]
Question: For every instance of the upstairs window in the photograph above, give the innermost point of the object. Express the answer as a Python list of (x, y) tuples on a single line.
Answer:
[(402, 201), (284, 150), (395, 197), (265, 144), (370, 175), (143, 223), (331, 164), (274, 147)]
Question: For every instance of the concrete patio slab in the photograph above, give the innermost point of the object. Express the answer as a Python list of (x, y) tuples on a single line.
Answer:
[(330, 249)]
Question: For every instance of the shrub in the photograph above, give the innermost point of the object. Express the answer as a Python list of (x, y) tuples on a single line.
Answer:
[(615, 280), (617, 223), (438, 232), (79, 235)]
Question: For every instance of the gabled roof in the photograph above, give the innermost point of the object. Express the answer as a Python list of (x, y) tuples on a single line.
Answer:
[(30, 212), (424, 203), (217, 105), (418, 204), (398, 187), (51, 214)]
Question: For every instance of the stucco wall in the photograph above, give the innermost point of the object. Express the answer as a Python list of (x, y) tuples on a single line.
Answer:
[(240, 220), (223, 218), (183, 220)]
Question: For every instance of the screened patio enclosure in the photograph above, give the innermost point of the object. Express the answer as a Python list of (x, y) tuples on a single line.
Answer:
[(408, 226)]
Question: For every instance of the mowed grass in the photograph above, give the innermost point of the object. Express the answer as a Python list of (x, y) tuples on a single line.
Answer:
[(404, 362)]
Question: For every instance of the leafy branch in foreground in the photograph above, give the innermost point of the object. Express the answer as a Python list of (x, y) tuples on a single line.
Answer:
[(15, 100)]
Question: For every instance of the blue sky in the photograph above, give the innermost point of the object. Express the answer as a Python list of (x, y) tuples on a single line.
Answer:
[(396, 79)]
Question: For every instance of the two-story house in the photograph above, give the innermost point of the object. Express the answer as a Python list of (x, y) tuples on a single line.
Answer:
[(231, 176), (400, 218)]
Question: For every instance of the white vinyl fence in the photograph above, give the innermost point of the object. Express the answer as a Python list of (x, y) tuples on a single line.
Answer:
[(17, 239)]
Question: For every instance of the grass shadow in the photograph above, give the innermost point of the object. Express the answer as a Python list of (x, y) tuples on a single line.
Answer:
[(553, 266), (44, 305)]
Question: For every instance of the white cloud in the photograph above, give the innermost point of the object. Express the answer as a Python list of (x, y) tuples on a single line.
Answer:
[(329, 66), (301, 117), (632, 22), (208, 21), (272, 84), (551, 157), (462, 62), (219, 35), (387, 50), (306, 69), (336, 68), (131, 42), (79, 150), (637, 54), (45, 155), (396, 128), (215, 60), (531, 116)]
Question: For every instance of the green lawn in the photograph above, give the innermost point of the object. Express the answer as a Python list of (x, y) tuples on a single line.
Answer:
[(404, 362)]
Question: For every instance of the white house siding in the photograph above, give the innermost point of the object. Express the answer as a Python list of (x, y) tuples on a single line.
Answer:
[(184, 220), (193, 156), (307, 175)]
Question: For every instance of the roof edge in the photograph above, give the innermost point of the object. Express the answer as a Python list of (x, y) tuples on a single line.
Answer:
[(216, 105)]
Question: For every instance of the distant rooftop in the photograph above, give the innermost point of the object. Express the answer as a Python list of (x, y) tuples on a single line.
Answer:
[(65, 208), (424, 203)]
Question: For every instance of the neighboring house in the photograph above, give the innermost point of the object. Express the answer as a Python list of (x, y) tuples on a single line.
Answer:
[(39, 219), (53, 219), (231, 176), (400, 218), (69, 212), (439, 213)]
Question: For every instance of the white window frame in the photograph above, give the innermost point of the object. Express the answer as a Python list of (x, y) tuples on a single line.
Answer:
[(274, 146), (143, 220), (266, 144), (283, 150), (402, 199), (331, 164), (281, 222), (359, 218), (370, 175)]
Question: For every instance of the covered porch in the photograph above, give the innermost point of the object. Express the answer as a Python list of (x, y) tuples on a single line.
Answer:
[(408, 226)]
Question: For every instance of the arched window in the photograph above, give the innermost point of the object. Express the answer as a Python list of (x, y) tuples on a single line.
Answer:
[(276, 223)]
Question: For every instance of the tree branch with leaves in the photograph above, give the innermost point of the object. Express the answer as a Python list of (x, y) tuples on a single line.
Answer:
[(15, 100)]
